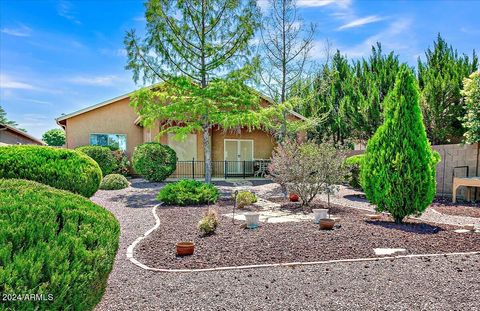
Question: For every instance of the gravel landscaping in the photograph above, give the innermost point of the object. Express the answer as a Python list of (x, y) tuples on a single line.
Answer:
[(439, 283), (460, 209), (231, 245)]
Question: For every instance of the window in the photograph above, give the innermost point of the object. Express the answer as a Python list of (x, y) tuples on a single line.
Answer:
[(113, 140), (187, 149)]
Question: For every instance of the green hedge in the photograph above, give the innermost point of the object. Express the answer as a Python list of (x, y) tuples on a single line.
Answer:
[(354, 165), (154, 161), (188, 192), (114, 182), (60, 168), (53, 243), (103, 156)]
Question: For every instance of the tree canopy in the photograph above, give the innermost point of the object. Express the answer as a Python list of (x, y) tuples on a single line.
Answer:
[(54, 137)]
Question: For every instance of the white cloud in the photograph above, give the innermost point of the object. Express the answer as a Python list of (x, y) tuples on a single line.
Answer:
[(361, 21), (317, 3), (65, 9), (22, 31), (95, 80), (7, 82)]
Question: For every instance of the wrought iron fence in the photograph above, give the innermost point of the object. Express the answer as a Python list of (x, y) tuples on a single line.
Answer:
[(222, 169)]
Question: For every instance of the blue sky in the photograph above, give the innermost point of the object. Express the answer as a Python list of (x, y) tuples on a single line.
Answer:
[(60, 56)]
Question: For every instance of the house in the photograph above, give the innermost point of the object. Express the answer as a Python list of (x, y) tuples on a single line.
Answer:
[(13, 136), (114, 122)]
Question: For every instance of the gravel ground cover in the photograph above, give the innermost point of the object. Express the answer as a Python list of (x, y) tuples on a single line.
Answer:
[(460, 209), (439, 283), (232, 245)]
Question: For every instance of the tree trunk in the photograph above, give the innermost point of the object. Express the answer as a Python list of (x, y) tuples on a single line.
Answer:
[(207, 152)]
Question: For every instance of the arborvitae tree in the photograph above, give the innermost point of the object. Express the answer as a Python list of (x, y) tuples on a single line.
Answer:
[(440, 78), (398, 172), (471, 120)]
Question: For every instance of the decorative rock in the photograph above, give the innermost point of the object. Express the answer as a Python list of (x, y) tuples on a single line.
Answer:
[(374, 216), (469, 227), (388, 251), (462, 231)]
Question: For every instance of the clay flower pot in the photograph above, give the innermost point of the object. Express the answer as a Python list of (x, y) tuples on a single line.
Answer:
[(185, 248), (327, 224), (319, 213), (252, 220), (293, 197)]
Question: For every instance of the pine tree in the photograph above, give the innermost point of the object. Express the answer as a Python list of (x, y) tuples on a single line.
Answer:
[(440, 78), (398, 174)]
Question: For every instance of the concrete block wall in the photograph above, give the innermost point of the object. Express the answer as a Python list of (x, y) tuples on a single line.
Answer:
[(454, 160)]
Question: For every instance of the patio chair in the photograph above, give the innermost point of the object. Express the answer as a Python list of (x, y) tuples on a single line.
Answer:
[(262, 169)]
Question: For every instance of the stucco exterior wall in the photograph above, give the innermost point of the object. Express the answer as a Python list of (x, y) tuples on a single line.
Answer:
[(116, 118)]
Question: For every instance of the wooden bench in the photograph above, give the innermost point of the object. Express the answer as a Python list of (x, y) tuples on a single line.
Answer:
[(467, 182)]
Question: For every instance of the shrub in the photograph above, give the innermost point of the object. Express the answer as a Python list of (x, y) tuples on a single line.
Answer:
[(114, 182), (471, 120), (208, 224), (103, 156), (60, 168), (245, 198), (54, 243), (188, 192), (398, 171), (354, 165), (123, 165), (54, 137), (154, 161), (308, 169)]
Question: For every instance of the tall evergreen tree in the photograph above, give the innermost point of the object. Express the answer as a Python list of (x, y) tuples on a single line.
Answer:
[(471, 119), (375, 77), (200, 49), (398, 171), (440, 78)]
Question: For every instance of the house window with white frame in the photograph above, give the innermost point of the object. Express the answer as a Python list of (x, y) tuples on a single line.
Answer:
[(117, 141)]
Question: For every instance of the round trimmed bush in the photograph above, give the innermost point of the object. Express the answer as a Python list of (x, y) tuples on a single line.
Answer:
[(154, 161), (245, 198), (54, 243), (188, 192), (103, 156), (57, 167), (114, 182)]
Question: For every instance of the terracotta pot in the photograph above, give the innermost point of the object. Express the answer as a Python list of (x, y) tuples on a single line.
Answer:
[(327, 224), (293, 197), (185, 248), (319, 213)]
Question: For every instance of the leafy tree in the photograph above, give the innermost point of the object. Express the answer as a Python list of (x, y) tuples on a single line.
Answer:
[(471, 120), (440, 78), (398, 171), (286, 43), (201, 50), (5, 120), (308, 169), (54, 137)]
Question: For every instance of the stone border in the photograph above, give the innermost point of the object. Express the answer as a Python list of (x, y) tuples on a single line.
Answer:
[(131, 247)]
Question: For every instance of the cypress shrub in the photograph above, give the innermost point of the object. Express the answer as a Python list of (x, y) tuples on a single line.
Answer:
[(188, 192), (154, 161), (60, 168), (54, 243), (103, 156), (398, 171)]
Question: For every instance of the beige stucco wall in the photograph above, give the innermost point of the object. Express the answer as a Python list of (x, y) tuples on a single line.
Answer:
[(8, 137), (116, 118)]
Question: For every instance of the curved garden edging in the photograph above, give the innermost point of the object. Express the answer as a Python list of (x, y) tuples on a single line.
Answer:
[(131, 247)]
